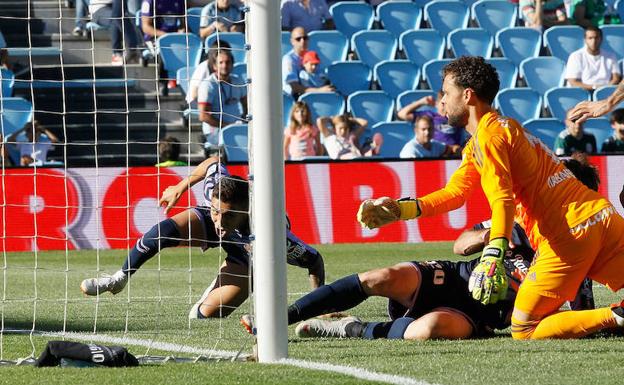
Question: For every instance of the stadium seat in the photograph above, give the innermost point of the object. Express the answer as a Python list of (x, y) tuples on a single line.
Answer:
[(507, 71), (447, 15), (598, 124), (396, 76), (2, 41), (619, 7), (545, 129), (183, 78), (408, 97), (236, 41), (494, 15), (373, 47), (600, 134), (323, 103), (560, 99), (471, 42), (286, 46), (562, 40), (519, 43), (399, 16), (542, 73), (350, 18), (395, 135), (287, 104), (193, 18), (331, 46), (604, 92), (374, 106), (432, 72), (240, 69), (234, 139), (349, 76), (521, 104), (8, 82), (422, 45), (178, 50), (14, 114), (613, 39)]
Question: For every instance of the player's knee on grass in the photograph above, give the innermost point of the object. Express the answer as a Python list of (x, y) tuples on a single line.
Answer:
[(522, 329), (440, 324)]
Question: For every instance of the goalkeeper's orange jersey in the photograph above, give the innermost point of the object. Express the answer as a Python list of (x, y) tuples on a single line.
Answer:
[(516, 171)]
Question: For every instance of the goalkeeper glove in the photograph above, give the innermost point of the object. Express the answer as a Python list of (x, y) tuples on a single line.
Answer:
[(488, 281), (379, 212)]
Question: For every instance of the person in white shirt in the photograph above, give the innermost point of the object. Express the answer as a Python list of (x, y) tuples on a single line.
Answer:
[(33, 144), (591, 67), (423, 145)]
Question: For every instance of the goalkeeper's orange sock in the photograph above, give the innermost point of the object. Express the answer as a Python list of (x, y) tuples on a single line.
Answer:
[(565, 324)]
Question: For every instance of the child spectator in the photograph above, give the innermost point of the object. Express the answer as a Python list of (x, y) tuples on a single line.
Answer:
[(615, 143), (342, 141), (222, 16), (301, 137), (169, 153), (423, 145), (574, 139), (311, 76), (33, 147)]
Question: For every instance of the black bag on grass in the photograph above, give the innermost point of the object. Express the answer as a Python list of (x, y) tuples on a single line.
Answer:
[(112, 356)]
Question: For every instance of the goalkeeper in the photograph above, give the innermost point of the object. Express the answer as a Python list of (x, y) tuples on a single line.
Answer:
[(223, 221), (576, 231)]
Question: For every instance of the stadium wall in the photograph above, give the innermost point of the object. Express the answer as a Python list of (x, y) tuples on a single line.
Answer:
[(87, 208)]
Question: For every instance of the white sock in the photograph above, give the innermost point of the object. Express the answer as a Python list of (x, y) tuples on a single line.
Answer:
[(618, 318)]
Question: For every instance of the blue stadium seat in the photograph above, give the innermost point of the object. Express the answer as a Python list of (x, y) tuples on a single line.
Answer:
[(2, 41), (521, 104), (14, 114), (619, 7), (507, 71), (240, 69), (432, 72), (546, 129), (373, 47), (8, 82), (542, 73), (286, 46), (193, 17), (287, 104), (471, 42), (374, 106), (323, 103), (349, 76), (600, 133), (399, 16), (350, 18), (178, 50), (519, 43), (236, 41), (183, 78), (560, 99), (494, 15), (408, 97), (604, 92), (447, 15), (396, 76), (613, 39), (395, 135), (422, 45), (234, 139), (598, 124), (331, 46), (562, 40)]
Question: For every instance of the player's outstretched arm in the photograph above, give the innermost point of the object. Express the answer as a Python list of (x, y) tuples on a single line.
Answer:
[(379, 212), (172, 193), (586, 110)]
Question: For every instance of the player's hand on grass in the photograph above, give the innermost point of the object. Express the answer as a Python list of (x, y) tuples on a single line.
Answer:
[(488, 281), (169, 197)]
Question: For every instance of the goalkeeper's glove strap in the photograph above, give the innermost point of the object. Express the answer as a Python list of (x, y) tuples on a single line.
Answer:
[(409, 208)]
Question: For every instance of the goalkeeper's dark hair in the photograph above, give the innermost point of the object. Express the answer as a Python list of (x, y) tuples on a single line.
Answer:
[(473, 72), (583, 171), (233, 190)]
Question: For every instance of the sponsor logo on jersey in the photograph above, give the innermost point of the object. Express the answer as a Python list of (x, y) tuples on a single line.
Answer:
[(559, 177)]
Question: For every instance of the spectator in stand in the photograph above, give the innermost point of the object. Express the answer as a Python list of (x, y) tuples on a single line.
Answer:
[(82, 7), (423, 145), (4, 154), (615, 143), (169, 153), (201, 72), (222, 98), (34, 145), (222, 16), (342, 141), (591, 67), (301, 137), (588, 13), (123, 35), (543, 14), (311, 76), (443, 132), (292, 64), (311, 15), (574, 139), (159, 18)]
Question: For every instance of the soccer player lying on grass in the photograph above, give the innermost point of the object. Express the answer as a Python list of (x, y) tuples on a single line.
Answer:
[(223, 221), (427, 299), (576, 231)]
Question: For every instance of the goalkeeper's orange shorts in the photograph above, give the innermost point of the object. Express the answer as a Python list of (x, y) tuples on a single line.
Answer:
[(594, 248)]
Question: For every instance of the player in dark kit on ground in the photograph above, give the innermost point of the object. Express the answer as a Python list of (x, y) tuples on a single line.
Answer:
[(222, 220)]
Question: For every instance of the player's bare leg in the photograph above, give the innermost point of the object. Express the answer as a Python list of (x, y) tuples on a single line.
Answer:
[(229, 291), (398, 282), (439, 324)]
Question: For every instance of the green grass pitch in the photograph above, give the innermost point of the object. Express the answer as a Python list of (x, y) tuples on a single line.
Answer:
[(155, 306)]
